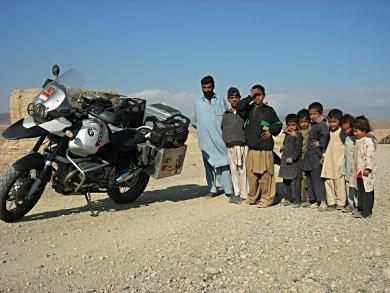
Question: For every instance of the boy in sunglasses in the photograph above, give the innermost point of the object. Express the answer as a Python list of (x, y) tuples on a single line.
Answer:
[(261, 123)]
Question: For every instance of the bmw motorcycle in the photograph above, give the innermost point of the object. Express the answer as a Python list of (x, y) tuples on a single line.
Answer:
[(89, 143)]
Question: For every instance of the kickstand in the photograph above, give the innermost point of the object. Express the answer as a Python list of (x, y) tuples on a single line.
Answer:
[(89, 203)]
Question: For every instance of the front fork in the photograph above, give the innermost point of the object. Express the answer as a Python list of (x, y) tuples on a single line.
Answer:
[(45, 174), (38, 144)]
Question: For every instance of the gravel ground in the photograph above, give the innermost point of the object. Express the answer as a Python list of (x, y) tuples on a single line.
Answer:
[(172, 239), (2, 128)]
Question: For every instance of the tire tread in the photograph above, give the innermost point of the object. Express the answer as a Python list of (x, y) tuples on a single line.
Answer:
[(7, 180), (130, 195)]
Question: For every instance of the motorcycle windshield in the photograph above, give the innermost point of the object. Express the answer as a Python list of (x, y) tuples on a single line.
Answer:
[(71, 79), (56, 92)]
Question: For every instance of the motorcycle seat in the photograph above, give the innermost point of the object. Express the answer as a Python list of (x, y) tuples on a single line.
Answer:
[(113, 118), (126, 140)]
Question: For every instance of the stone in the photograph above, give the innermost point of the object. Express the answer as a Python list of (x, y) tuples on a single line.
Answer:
[(211, 271)]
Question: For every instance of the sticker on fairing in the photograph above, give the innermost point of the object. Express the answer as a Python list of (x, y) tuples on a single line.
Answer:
[(45, 95)]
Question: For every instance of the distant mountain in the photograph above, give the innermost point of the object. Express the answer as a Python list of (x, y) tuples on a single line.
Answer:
[(5, 119), (380, 124)]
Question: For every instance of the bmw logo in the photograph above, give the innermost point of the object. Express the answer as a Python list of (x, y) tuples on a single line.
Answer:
[(90, 132)]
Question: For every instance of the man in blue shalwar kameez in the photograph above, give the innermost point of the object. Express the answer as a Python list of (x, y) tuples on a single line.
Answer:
[(207, 117)]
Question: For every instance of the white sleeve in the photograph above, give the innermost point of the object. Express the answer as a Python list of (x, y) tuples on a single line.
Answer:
[(369, 149)]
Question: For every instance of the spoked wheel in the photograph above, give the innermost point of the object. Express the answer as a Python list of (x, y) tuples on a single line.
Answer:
[(130, 190), (14, 187)]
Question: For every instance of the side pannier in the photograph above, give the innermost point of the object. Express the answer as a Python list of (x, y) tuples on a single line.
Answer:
[(170, 133)]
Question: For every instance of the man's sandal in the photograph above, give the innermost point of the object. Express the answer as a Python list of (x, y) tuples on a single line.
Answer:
[(245, 202), (261, 206)]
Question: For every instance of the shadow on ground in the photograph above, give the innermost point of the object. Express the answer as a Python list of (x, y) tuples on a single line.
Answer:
[(173, 193)]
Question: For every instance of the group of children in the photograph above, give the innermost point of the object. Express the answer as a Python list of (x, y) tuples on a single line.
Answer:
[(336, 163), (326, 163)]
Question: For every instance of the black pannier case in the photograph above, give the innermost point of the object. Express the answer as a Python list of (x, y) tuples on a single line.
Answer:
[(133, 116), (170, 133)]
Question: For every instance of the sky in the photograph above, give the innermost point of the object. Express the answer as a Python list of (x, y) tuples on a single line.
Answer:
[(335, 52)]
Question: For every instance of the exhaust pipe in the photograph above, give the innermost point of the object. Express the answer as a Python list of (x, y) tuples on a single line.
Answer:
[(127, 175)]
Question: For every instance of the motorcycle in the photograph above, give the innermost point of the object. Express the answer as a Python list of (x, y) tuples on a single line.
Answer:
[(89, 143)]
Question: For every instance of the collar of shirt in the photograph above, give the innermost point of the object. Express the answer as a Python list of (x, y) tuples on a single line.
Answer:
[(234, 111), (204, 99)]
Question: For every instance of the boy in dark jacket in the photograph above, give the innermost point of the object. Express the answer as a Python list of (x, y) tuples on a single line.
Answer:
[(312, 162), (261, 123), (233, 135), (290, 166)]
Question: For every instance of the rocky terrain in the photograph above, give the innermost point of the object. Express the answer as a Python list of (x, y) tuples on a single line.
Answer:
[(172, 239)]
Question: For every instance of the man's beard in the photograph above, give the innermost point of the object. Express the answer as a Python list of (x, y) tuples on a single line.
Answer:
[(208, 94)]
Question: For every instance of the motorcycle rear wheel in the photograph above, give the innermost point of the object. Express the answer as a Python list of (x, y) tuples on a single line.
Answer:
[(130, 190), (14, 186)]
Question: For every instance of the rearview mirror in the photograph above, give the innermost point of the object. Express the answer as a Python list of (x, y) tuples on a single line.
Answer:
[(55, 70)]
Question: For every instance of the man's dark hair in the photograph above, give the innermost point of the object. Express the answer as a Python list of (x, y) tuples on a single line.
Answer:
[(362, 123), (292, 118), (346, 119), (335, 114), (317, 106), (303, 113), (260, 87), (207, 79)]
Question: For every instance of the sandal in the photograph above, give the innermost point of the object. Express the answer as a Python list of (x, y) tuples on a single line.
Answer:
[(323, 207), (357, 214), (262, 206), (245, 202), (347, 209)]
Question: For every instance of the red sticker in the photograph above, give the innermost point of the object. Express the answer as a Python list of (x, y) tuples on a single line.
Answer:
[(47, 93)]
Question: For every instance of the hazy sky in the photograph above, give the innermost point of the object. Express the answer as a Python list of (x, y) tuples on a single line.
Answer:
[(337, 52)]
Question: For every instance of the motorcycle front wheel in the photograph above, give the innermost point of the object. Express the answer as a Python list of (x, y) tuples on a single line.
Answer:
[(130, 190), (14, 187)]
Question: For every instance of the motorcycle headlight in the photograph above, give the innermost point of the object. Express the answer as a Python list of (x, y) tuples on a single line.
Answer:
[(30, 109), (38, 111)]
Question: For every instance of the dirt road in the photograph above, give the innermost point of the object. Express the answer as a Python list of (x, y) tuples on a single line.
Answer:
[(172, 239)]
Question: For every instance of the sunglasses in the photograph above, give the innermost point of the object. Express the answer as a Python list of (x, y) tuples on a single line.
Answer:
[(258, 95)]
